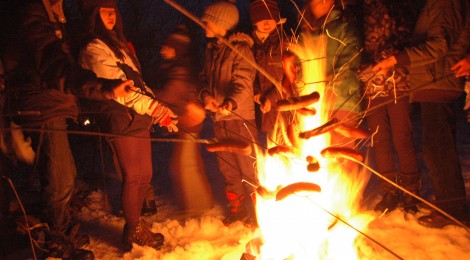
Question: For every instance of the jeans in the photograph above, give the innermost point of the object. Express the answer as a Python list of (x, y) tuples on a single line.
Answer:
[(393, 125), (56, 168), (441, 157)]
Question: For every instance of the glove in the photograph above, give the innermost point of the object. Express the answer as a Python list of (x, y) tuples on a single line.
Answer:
[(164, 117), (170, 123)]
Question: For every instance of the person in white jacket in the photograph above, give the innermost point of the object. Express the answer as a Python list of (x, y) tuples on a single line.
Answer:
[(105, 52)]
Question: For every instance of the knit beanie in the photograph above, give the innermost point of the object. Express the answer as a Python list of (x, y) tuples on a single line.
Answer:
[(92, 6), (179, 40), (264, 10), (223, 14)]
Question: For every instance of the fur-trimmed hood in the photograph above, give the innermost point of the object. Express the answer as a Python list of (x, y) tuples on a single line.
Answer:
[(241, 37)]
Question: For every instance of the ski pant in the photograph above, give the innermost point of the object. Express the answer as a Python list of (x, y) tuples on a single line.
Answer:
[(237, 167)]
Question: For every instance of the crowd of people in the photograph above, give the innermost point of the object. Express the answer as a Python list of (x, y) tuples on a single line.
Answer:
[(377, 65)]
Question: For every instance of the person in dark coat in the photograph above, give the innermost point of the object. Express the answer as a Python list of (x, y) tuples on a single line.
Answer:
[(226, 89), (269, 46), (178, 80), (42, 85), (439, 41), (390, 123)]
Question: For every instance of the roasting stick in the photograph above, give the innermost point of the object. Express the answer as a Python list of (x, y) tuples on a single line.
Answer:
[(222, 39), (407, 192)]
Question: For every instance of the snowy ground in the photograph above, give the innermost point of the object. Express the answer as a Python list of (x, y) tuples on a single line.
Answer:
[(203, 236)]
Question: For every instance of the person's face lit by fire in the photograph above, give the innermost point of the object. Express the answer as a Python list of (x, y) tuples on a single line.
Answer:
[(167, 52), (320, 8), (212, 30), (108, 16), (265, 26)]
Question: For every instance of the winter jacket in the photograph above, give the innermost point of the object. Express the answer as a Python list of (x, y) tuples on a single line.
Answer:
[(343, 46), (380, 33), (268, 55), (439, 42), (128, 115), (227, 75), (43, 79)]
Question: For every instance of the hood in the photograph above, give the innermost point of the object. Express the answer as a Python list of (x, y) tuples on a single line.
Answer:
[(242, 38)]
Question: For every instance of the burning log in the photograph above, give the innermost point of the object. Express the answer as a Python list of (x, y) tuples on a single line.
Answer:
[(295, 103), (280, 149), (341, 152), (296, 187), (325, 128), (349, 131), (230, 145)]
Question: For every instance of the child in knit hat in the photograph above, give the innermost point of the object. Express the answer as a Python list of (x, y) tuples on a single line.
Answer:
[(226, 89), (268, 49)]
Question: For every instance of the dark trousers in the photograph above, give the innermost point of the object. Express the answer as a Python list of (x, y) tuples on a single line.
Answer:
[(441, 157), (135, 162), (391, 124), (237, 167), (56, 168)]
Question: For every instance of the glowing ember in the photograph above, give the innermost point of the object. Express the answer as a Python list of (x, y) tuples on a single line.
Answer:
[(304, 199)]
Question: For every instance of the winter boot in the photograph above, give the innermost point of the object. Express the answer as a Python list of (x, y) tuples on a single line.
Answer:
[(149, 207), (390, 197), (58, 245), (142, 236), (412, 183), (238, 211)]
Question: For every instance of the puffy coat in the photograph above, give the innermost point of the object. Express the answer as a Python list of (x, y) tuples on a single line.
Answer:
[(43, 79), (126, 115), (440, 40), (343, 46), (227, 75), (268, 55)]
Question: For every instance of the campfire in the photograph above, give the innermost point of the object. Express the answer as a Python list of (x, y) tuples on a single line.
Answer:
[(307, 203)]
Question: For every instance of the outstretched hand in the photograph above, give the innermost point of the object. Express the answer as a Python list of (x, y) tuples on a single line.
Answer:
[(211, 104), (462, 67), (123, 89), (385, 64)]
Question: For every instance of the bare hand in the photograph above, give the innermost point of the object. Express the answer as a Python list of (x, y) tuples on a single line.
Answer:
[(385, 65), (266, 106), (211, 104), (226, 107), (123, 89), (462, 67), (257, 98)]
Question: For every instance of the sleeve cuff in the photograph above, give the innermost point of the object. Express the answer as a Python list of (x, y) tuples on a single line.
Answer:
[(403, 60)]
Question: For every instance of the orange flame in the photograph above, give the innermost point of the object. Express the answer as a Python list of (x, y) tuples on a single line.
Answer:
[(304, 224)]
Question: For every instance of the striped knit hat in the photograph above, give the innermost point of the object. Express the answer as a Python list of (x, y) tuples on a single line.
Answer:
[(223, 14), (264, 10)]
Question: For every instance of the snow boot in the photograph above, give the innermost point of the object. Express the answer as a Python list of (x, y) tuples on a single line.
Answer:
[(412, 183), (142, 236), (238, 210), (149, 207), (390, 197), (58, 245)]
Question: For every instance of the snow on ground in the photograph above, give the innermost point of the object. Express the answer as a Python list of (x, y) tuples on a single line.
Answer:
[(205, 237)]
